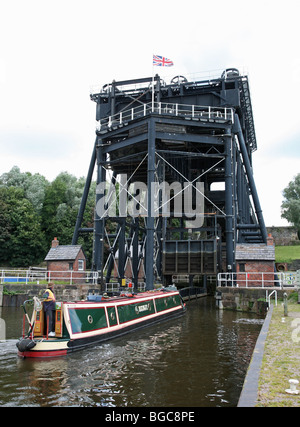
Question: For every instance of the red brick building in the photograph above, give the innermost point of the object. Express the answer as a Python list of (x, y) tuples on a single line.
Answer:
[(255, 258), (65, 258)]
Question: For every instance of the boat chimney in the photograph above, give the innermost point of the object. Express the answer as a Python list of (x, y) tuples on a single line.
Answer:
[(55, 243)]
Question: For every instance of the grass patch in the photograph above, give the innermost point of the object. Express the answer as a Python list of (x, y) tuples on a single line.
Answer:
[(281, 358), (11, 293), (287, 253)]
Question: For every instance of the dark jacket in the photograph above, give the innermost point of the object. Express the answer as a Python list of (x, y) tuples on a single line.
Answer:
[(49, 303)]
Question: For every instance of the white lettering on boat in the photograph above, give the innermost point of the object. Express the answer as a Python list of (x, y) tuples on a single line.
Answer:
[(142, 308)]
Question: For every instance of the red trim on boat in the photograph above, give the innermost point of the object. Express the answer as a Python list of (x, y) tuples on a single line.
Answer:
[(49, 353)]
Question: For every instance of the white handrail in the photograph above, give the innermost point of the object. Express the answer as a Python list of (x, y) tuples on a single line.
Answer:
[(29, 276), (259, 279), (200, 112), (268, 297)]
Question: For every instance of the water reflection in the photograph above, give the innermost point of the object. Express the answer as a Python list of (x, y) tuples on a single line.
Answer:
[(197, 360)]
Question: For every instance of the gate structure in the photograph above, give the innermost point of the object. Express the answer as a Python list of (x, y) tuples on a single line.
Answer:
[(175, 188)]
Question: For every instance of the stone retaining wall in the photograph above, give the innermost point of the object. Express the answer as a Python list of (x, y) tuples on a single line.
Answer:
[(62, 292), (284, 236), (246, 299)]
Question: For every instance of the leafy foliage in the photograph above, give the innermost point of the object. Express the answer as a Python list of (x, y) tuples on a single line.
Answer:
[(291, 205), (21, 239), (33, 211)]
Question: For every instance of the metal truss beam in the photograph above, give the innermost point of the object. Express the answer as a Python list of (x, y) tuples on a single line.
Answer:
[(159, 146)]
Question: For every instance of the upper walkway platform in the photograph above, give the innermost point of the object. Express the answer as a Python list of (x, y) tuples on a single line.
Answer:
[(188, 112)]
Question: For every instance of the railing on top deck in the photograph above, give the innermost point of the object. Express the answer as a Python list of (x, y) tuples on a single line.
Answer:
[(192, 112)]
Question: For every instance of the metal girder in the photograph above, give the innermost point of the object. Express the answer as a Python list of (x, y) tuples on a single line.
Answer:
[(195, 138), (251, 181), (84, 197), (191, 154), (168, 145)]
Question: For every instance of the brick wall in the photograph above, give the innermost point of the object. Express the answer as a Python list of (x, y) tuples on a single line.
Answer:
[(250, 276), (58, 265), (80, 256), (58, 269), (255, 258)]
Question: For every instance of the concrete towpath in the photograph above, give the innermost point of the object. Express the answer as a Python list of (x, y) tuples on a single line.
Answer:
[(275, 360)]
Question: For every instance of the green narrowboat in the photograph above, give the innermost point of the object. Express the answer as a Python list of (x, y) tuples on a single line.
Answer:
[(83, 323)]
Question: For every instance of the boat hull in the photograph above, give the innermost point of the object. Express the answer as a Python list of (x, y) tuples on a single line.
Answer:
[(92, 323)]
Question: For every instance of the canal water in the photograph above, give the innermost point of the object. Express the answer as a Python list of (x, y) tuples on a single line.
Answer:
[(197, 360)]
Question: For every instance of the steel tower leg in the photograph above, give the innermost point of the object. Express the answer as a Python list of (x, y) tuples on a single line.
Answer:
[(135, 251), (150, 218), (258, 210), (229, 204), (99, 219), (84, 196), (122, 249)]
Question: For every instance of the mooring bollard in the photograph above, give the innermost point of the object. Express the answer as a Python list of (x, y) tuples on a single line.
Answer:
[(1, 295), (285, 304), (2, 330), (293, 387)]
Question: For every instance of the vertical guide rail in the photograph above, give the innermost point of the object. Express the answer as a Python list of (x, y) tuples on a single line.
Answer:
[(84, 196), (268, 297), (150, 218), (229, 203), (258, 210)]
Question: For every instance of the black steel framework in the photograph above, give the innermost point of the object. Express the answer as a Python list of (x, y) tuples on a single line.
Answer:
[(197, 134)]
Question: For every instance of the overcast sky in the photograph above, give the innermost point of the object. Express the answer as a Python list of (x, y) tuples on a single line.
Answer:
[(52, 52)]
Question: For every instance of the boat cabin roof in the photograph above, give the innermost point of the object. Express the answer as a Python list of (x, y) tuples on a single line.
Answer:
[(127, 297)]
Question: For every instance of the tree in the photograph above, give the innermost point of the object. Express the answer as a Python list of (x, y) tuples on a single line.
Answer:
[(5, 228), (22, 241), (291, 205), (60, 207), (14, 178), (34, 186), (35, 190), (33, 211)]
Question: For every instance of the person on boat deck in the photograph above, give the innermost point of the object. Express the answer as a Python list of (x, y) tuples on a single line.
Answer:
[(49, 309)]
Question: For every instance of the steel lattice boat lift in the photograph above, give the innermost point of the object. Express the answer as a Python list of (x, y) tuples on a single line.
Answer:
[(177, 162)]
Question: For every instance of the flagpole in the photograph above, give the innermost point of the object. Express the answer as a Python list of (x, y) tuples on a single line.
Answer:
[(152, 85), (161, 61)]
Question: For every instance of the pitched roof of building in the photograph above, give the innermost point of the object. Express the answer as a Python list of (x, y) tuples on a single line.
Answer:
[(256, 252), (63, 253)]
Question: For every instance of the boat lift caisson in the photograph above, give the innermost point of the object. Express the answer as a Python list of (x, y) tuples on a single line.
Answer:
[(83, 323)]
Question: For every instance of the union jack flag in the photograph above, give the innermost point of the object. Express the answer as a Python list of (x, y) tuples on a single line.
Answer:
[(161, 61)]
